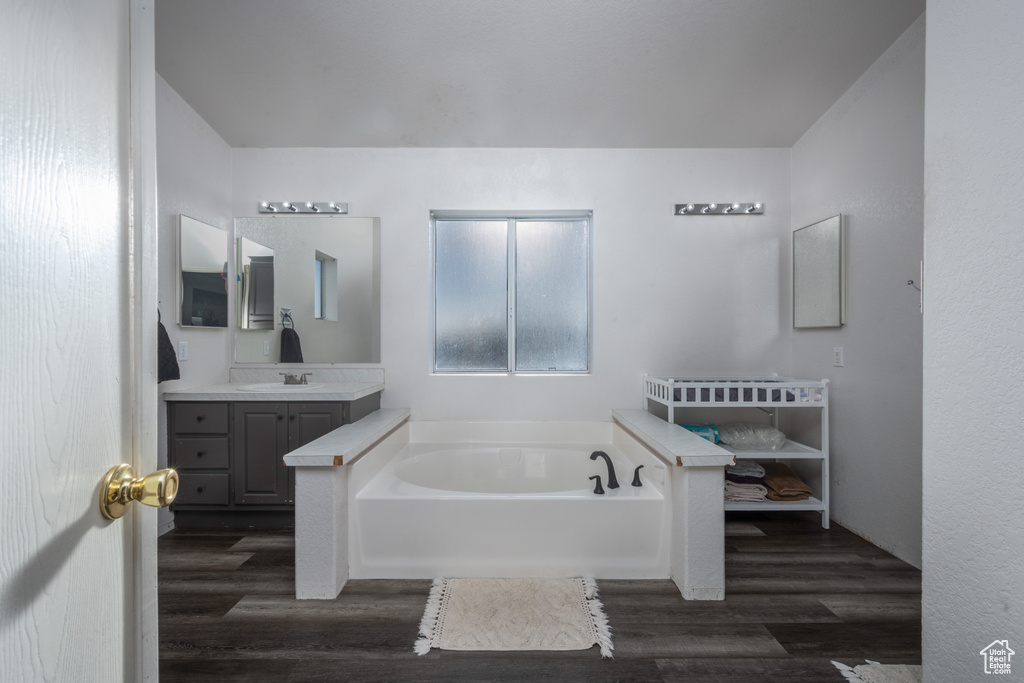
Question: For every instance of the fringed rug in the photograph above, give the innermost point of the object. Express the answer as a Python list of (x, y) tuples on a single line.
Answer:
[(873, 672), (514, 614)]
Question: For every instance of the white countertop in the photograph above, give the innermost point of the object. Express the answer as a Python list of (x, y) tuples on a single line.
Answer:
[(330, 391), (342, 445), (673, 443)]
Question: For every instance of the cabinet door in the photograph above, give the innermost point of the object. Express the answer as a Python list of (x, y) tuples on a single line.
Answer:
[(261, 440), (309, 421)]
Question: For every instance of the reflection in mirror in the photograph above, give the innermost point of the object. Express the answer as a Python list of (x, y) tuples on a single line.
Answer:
[(326, 269), (255, 286), (203, 273), (819, 290)]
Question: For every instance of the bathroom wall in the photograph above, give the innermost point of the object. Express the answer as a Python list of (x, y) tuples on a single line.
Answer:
[(671, 294), (863, 159), (193, 178), (973, 592)]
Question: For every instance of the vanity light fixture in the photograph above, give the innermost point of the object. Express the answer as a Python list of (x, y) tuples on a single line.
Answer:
[(304, 207), (715, 209)]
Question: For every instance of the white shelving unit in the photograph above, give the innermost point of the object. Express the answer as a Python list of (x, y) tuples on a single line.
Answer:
[(770, 394)]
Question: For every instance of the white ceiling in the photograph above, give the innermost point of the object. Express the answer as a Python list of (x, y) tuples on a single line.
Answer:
[(519, 73)]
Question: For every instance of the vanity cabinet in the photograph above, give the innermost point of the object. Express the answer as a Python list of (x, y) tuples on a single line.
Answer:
[(264, 432), (230, 457), (261, 439)]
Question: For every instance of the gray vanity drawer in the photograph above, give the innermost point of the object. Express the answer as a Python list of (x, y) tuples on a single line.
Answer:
[(201, 418), (201, 453), (202, 489)]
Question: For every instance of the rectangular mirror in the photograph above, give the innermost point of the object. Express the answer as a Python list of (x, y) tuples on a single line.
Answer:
[(202, 274), (326, 269), (819, 288)]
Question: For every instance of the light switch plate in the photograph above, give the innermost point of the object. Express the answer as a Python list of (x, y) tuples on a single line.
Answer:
[(837, 360), (182, 350)]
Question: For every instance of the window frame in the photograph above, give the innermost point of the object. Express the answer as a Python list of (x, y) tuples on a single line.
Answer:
[(512, 218)]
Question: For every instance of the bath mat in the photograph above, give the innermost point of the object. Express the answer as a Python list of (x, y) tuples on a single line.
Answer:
[(873, 672), (514, 614)]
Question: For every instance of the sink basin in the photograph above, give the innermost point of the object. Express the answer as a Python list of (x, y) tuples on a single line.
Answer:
[(278, 386)]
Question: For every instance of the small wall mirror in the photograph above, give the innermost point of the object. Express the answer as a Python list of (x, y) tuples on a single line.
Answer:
[(202, 274), (326, 270), (819, 287)]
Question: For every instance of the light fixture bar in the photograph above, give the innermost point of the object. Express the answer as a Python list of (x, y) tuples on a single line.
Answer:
[(304, 207), (718, 209)]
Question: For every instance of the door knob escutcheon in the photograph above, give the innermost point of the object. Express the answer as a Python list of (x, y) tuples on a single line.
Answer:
[(120, 487)]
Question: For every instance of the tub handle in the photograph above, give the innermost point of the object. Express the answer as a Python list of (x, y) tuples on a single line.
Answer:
[(598, 489), (636, 476)]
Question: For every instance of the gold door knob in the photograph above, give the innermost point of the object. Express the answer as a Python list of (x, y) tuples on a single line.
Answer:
[(120, 487)]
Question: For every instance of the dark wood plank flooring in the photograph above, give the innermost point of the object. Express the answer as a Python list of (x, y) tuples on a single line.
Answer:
[(798, 597)]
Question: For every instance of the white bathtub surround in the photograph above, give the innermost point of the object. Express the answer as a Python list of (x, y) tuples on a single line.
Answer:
[(698, 517), (321, 502), (412, 529)]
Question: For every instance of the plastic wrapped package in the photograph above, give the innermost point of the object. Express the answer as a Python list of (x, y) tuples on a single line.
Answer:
[(750, 436)]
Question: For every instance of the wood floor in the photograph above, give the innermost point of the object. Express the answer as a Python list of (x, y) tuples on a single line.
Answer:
[(797, 597)]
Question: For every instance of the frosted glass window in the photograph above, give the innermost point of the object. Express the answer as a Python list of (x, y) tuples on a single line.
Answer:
[(512, 294), (552, 278), (470, 295)]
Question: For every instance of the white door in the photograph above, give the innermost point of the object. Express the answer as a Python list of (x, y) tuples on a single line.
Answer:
[(77, 592)]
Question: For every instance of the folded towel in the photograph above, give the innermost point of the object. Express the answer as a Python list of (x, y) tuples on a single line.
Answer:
[(784, 484), (742, 479), (746, 493), (746, 468)]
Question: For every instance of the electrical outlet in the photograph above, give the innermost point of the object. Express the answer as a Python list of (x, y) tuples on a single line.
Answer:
[(266, 348), (837, 360), (182, 350)]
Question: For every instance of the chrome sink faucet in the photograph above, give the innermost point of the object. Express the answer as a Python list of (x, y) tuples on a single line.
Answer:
[(290, 378), (612, 481)]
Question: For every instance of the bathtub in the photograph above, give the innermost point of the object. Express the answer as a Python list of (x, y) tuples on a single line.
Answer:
[(519, 506), (390, 497)]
